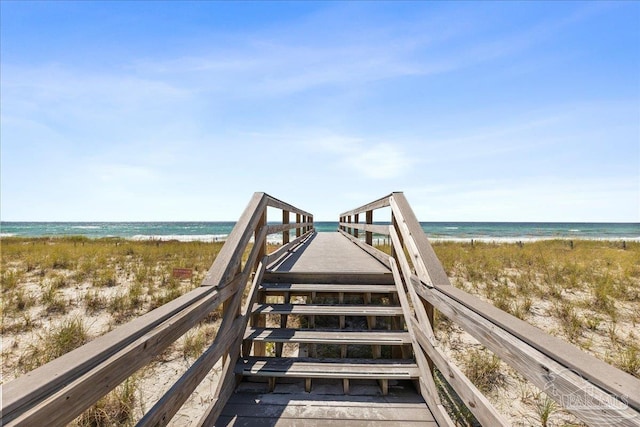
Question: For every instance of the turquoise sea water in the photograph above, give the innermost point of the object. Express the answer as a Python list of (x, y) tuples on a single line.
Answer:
[(212, 231)]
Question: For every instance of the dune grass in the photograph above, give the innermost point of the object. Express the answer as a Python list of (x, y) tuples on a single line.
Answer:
[(587, 293)]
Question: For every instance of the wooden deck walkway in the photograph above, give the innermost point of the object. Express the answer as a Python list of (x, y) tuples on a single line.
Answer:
[(354, 387), (324, 331)]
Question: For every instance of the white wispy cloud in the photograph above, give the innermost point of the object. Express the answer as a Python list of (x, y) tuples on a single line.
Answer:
[(540, 198), (372, 160)]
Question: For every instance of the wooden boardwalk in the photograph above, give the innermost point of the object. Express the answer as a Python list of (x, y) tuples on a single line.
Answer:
[(324, 331), (343, 390)]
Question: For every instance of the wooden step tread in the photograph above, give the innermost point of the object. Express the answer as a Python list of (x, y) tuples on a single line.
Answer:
[(306, 288), (328, 336), (328, 368), (328, 310), (362, 278)]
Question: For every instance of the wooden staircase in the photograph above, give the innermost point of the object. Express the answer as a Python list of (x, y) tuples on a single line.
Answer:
[(352, 322), (324, 331)]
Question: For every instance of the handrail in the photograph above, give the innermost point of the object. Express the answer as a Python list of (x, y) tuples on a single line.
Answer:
[(546, 361), (59, 391)]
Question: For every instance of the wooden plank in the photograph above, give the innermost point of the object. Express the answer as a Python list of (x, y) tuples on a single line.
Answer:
[(596, 371), (228, 261), (377, 204), (374, 412), (228, 334), (329, 278), (284, 249), (279, 204), (66, 403), (432, 266), (474, 400), (293, 422), (376, 253), (372, 228), (227, 382), (347, 288), (428, 387), (328, 368), (328, 337), (557, 380), (28, 390), (278, 228), (329, 253), (165, 409), (327, 310), (285, 233)]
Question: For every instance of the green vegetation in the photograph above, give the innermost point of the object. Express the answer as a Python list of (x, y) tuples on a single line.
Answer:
[(585, 292), (70, 334), (54, 290), (115, 409), (483, 369)]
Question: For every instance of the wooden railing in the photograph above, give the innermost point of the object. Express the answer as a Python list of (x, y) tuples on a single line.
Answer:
[(56, 393), (594, 391)]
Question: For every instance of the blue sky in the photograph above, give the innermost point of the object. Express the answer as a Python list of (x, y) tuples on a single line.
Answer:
[(500, 111)]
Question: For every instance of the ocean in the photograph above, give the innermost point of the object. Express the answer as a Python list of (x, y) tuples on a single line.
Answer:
[(218, 231)]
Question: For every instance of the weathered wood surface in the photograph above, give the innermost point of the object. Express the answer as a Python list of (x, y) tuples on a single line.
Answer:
[(64, 404), (595, 406), (358, 278), (328, 337), (373, 228), (271, 229), (328, 368), (327, 310), (596, 371), (376, 204), (473, 399), (376, 253), (29, 389), (306, 288), (400, 408), (329, 253)]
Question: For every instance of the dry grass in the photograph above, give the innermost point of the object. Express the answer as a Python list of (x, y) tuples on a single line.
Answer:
[(59, 293), (587, 293)]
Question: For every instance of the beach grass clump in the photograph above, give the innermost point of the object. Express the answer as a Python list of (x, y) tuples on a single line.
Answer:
[(627, 359), (483, 369), (9, 279), (70, 334), (53, 300), (94, 301), (105, 278), (197, 339), (117, 408), (570, 322)]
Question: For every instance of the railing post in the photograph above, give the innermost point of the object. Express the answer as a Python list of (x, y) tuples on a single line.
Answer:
[(355, 230), (285, 233), (395, 226), (263, 250), (298, 229), (369, 234)]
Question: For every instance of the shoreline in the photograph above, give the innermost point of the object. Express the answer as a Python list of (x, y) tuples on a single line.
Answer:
[(586, 294), (277, 238)]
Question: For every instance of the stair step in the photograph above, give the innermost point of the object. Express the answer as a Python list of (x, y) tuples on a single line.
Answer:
[(306, 288), (328, 310), (398, 369), (361, 278), (328, 336)]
